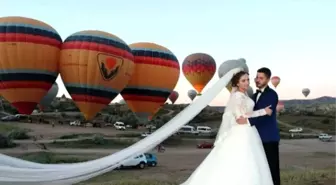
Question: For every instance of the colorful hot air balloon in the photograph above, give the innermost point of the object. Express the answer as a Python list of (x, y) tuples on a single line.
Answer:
[(47, 99), (275, 80), (199, 68), (155, 76), (29, 57), (305, 92), (173, 96), (192, 94), (280, 106), (95, 66), (228, 65)]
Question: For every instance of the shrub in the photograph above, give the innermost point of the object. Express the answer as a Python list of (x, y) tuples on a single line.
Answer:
[(18, 134), (98, 139), (6, 142)]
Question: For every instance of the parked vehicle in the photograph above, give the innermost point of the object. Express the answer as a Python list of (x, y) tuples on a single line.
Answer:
[(75, 123), (139, 161), (15, 117), (296, 130), (145, 134), (151, 159), (187, 129), (324, 137), (203, 129), (205, 145), (119, 125)]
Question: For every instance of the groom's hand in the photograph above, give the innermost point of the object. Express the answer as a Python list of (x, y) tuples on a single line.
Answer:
[(241, 120)]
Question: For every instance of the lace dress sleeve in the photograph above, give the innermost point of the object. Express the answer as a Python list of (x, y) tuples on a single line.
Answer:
[(241, 107)]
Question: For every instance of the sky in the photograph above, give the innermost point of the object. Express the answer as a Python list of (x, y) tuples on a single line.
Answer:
[(296, 39)]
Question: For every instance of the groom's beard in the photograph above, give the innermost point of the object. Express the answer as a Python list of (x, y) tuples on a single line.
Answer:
[(261, 86)]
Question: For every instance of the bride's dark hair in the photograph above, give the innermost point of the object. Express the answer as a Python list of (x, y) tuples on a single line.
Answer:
[(235, 79)]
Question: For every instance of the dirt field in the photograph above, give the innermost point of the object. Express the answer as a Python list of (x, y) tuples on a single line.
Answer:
[(177, 163), (49, 132)]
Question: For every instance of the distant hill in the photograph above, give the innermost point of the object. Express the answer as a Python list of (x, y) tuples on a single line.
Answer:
[(320, 100)]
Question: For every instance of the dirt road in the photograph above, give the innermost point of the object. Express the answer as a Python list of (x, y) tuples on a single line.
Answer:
[(309, 153)]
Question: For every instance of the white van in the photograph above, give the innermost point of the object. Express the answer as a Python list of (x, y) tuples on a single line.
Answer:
[(203, 129), (119, 125), (187, 129), (139, 161)]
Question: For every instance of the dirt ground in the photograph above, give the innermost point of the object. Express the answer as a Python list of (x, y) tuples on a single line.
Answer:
[(49, 132), (180, 162)]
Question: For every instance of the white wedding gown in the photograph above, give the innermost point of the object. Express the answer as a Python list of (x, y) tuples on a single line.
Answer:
[(238, 157)]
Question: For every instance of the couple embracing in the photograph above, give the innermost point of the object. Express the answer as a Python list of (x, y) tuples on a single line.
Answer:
[(246, 150)]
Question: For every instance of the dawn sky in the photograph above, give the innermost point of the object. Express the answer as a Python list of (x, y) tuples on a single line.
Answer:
[(296, 39)]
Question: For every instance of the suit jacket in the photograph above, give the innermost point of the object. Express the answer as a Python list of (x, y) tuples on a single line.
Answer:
[(267, 126)]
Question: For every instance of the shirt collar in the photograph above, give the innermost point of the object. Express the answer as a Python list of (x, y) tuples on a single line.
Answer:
[(262, 89)]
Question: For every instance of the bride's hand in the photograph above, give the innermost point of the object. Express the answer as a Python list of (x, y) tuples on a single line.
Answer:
[(268, 110)]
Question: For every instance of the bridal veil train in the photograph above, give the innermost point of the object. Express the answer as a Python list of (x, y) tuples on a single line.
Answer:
[(19, 172), (238, 157)]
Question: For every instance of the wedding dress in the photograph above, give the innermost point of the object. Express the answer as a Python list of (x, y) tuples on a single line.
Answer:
[(238, 157)]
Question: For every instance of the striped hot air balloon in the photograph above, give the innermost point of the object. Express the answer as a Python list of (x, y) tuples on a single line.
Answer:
[(155, 76), (29, 59), (173, 96), (95, 66), (199, 68)]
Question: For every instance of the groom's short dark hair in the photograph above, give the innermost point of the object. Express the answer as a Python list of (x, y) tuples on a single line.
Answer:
[(266, 71)]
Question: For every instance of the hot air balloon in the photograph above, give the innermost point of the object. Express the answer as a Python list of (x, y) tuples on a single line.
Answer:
[(199, 68), (192, 94), (95, 66), (250, 92), (280, 106), (173, 96), (275, 80), (47, 99), (29, 58), (305, 92), (155, 76), (228, 65)]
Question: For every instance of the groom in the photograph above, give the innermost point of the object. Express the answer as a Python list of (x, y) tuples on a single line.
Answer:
[(266, 125)]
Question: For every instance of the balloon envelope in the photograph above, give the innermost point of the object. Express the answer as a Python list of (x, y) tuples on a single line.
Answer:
[(47, 99), (275, 80), (199, 68), (305, 92), (29, 59), (95, 66), (155, 76), (192, 94), (173, 96), (228, 65)]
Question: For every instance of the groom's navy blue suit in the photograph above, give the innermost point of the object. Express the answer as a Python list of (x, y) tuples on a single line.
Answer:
[(268, 130)]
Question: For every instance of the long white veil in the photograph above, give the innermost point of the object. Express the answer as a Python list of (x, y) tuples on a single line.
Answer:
[(228, 119), (18, 172)]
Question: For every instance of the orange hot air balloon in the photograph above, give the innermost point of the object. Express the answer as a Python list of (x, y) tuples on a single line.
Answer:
[(95, 66), (173, 96), (155, 76), (199, 68), (29, 56), (275, 80)]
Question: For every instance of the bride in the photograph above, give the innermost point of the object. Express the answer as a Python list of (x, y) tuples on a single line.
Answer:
[(238, 157)]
